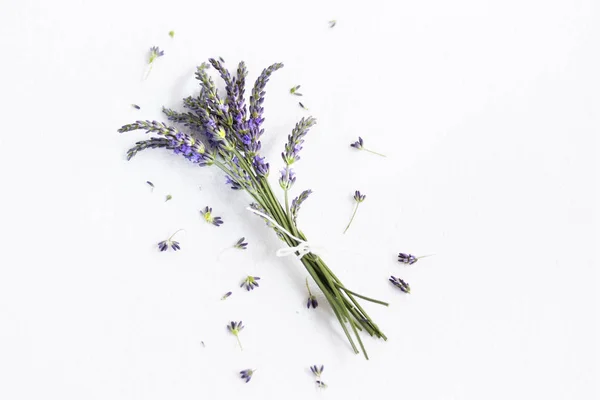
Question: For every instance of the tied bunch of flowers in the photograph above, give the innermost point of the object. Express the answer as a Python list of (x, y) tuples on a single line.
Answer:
[(222, 131)]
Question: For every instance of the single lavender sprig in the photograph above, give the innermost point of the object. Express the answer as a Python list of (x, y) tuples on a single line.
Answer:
[(155, 53), (400, 284), (208, 217), (359, 198), (235, 328), (164, 245), (409, 259), (250, 282), (359, 145), (302, 106), (247, 374), (312, 299), (150, 184), (136, 106), (241, 244)]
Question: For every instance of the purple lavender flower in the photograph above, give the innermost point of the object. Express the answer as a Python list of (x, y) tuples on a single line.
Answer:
[(155, 53), (260, 166), (359, 145), (317, 371), (400, 284), (287, 179), (359, 198), (250, 282), (312, 300), (407, 258), (164, 245), (247, 374), (208, 217), (240, 244), (297, 202), (226, 295), (296, 139), (235, 328)]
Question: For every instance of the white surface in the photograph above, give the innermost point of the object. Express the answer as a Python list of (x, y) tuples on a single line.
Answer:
[(487, 111)]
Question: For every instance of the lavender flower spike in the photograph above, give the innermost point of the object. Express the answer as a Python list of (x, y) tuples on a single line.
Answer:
[(208, 217), (250, 282), (247, 374), (359, 198), (296, 139), (359, 146), (164, 245), (400, 284)]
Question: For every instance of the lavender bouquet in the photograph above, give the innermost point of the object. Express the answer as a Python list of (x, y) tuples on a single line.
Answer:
[(222, 132)]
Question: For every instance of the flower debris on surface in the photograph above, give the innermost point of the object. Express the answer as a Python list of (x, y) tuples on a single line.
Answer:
[(358, 198), (241, 244), (208, 217), (155, 53), (250, 282), (165, 244), (312, 299), (317, 371), (247, 374), (359, 145), (226, 295), (235, 328), (294, 91)]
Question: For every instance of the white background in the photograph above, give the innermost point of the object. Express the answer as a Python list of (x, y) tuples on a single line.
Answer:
[(487, 110)]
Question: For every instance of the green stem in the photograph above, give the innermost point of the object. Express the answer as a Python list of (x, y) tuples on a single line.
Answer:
[(383, 303), (374, 152), (352, 219)]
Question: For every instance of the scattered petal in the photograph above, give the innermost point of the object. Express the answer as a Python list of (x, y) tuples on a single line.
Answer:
[(172, 34)]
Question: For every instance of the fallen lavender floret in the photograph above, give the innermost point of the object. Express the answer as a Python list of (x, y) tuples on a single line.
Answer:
[(164, 245), (359, 145), (358, 198), (208, 217), (250, 282), (247, 374)]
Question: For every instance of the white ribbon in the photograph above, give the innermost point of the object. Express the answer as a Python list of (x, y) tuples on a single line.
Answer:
[(303, 247)]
